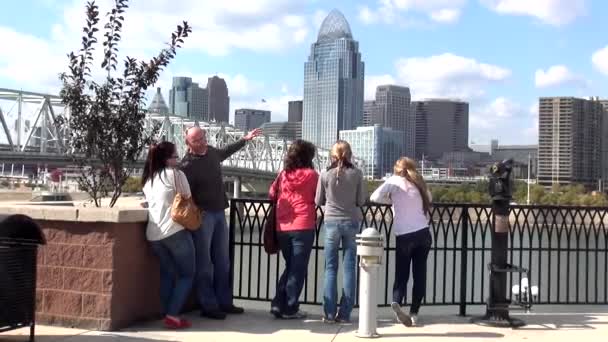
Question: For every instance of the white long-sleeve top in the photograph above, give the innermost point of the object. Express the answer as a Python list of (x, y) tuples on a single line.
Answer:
[(408, 213), (160, 193)]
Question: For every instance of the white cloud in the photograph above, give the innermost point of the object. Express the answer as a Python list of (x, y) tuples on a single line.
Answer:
[(218, 29), (392, 11), (558, 75), (371, 82), (446, 15), (448, 75), (600, 60), (503, 119), (553, 12)]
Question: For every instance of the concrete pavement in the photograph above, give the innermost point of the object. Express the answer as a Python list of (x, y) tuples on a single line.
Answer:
[(588, 323)]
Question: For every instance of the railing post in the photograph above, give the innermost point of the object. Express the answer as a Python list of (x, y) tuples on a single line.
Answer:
[(231, 230), (464, 251)]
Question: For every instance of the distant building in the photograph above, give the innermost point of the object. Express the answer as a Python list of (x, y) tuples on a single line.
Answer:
[(379, 147), (369, 112), (569, 149), (294, 113), (442, 125), (519, 154), (186, 98), (333, 83), (391, 109), (158, 105), (604, 147), (218, 107), (247, 119), (289, 131)]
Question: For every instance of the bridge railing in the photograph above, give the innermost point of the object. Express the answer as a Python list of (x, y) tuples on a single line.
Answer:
[(565, 249)]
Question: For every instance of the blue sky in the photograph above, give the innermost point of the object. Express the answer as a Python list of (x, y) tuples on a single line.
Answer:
[(500, 55)]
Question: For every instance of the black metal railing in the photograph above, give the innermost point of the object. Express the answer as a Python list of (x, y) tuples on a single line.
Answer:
[(565, 249)]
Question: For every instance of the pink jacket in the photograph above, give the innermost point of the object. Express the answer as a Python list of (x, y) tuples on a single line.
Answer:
[(296, 209)]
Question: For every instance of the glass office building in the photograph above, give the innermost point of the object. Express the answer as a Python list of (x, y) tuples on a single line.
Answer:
[(333, 83), (379, 147)]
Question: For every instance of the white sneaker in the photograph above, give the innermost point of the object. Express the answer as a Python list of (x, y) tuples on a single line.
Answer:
[(402, 317), (414, 319)]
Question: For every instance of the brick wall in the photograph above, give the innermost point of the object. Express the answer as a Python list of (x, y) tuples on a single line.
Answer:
[(96, 275)]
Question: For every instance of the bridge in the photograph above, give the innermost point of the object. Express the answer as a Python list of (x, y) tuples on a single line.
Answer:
[(36, 140)]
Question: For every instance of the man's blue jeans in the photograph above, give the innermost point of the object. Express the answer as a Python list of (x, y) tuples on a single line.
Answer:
[(344, 231), (177, 270), (213, 262), (295, 247)]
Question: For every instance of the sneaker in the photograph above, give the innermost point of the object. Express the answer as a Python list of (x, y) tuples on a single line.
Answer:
[(232, 309), (214, 314), (401, 316), (341, 320), (414, 319), (276, 312), (171, 323), (298, 315), (328, 320)]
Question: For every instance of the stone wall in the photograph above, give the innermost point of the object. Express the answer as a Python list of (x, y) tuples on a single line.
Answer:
[(96, 270)]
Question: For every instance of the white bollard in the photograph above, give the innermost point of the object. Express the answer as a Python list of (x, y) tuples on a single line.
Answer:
[(370, 247)]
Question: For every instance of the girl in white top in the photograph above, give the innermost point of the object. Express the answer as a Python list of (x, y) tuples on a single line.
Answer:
[(411, 200), (169, 241)]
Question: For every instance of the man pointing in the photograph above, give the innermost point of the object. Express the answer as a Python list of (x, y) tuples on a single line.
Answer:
[(202, 166)]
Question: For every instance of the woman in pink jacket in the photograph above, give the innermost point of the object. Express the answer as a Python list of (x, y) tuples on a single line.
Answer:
[(294, 189)]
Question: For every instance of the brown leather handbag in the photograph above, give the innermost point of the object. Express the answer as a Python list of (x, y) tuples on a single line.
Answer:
[(184, 211)]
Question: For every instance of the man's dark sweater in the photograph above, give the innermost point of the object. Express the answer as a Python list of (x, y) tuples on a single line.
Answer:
[(204, 173)]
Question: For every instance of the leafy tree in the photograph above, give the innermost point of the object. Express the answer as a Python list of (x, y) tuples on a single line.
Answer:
[(106, 123), (132, 184)]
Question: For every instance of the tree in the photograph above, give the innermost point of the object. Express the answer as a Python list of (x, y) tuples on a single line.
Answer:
[(106, 123)]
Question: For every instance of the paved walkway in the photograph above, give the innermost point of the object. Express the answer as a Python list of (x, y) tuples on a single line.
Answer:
[(586, 324)]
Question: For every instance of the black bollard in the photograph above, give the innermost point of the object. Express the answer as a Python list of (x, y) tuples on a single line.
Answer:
[(497, 304)]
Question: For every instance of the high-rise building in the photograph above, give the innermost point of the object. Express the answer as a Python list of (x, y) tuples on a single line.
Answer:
[(247, 119), (158, 105), (569, 136), (294, 113), (379, 147), (392, 109), (442, 125), (369, 113), (186, 98), (333, 83), (218, 100), (604, 147), (289, 131)]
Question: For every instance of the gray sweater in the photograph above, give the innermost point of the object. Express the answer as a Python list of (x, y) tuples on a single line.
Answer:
[(341, 197)]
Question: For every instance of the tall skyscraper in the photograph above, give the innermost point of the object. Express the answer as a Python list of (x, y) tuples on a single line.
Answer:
[(295, 111), (442, 125), (186, 98), (333, 83), (218, 100), (158, 105), (569, 136), (247, 119)]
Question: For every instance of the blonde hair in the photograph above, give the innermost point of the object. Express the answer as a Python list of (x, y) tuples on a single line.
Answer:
[(340, 155), (406, 167)]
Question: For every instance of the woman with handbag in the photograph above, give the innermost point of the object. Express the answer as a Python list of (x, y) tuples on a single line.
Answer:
[(294, 193), (163, 185), (342, 191)]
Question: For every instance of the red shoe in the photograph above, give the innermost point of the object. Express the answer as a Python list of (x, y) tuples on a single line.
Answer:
[(171, 323), (184, 323)]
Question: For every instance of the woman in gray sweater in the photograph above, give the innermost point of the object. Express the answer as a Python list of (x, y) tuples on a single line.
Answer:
[(342, 190)]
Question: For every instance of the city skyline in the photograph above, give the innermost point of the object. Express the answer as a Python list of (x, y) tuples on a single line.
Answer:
[(523, 52)]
